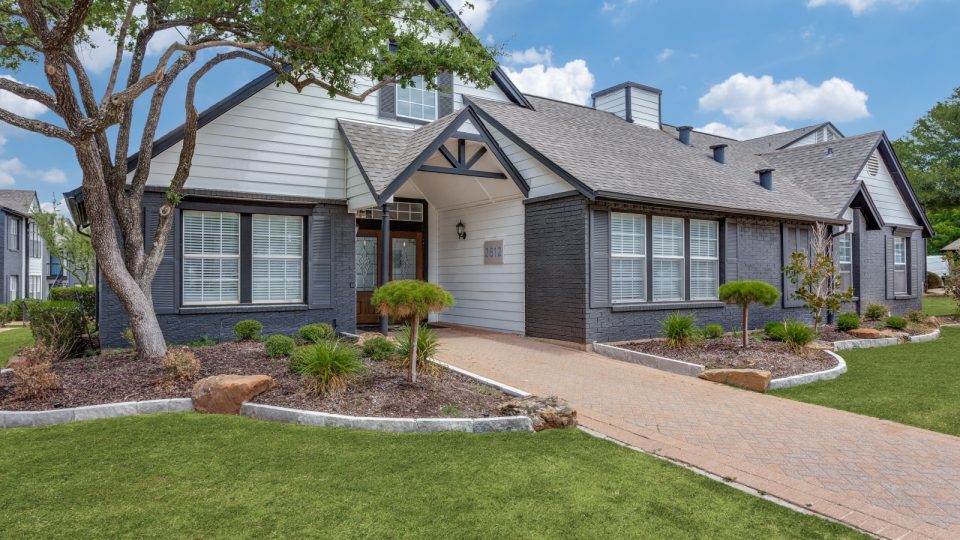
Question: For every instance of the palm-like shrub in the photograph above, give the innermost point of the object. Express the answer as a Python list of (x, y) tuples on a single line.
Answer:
[(679, 329), (745, 293), (326, 366), (411, 300), (248, 330), (798, 334), (279, 346), (427, 345), (848, 321), (379, 348), (315, 333)]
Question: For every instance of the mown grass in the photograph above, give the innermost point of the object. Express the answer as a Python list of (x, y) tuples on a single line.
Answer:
[(190, 475), (11, 340), (915, 384), (939, 306)]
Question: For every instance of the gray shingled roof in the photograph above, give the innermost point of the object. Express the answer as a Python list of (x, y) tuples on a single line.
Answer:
[(776, 141), (952, 246), (18, 200), (619, 158)]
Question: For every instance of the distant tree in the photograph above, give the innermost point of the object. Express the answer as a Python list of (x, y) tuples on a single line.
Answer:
[(70, 246), (930, 155), (951, 282), (745, 293), (818, 278)]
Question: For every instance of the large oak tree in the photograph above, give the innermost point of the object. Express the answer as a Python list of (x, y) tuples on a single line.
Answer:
[(332, 44)]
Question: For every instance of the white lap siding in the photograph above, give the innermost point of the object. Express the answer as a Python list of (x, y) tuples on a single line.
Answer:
[(487, 295)]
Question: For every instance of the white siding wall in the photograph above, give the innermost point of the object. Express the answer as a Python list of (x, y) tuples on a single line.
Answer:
[(646, 107), (886, 196), (614, 102), (542, 181), (823, 134), (358, 193), (487, 296)]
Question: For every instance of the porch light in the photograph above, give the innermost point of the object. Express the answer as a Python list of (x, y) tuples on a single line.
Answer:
[(461, 230)]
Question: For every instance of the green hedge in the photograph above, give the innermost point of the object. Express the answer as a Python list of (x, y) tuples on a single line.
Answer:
[(86, 296), (59, 324)]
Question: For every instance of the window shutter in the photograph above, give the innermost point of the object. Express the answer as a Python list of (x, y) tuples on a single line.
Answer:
[(444, 94), (599, 258), (163, 288), (729, 271), (914, 267), (321, 261), (795, 239), (388, 101), (888, 257)]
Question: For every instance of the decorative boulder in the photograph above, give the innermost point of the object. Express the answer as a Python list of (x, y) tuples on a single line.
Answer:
[(865, 333), (546, 412), (748, 379), (223, 394)]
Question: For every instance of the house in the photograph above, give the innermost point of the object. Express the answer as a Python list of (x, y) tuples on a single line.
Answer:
[(25, 262), (558, 221)]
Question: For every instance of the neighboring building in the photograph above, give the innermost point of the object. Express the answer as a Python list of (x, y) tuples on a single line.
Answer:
[(59, 275), (25, 259), (543, 218), (952, 247)]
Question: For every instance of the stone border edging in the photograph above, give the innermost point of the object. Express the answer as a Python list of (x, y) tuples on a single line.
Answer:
[(807, 378), (847, 344), (509, 390), (662, 363), (923, 338), (13, 419)]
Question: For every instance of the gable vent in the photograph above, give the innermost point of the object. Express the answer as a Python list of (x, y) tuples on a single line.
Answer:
[(873, 165)]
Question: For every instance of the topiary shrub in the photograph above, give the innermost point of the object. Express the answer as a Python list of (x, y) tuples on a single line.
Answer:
[(915, 316), (427, 346), (181, 363), (713, 331), (326, 366), (774, 330), (896, 323), (798, 334), (680, 330), (86, 296), (744, 293), (934, 281), (317, 332), (59, 325), (875, 312), (279, 346), (248, 330), (848, 321), (379, 348)]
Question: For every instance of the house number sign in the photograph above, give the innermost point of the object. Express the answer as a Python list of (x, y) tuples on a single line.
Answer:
[(493, 252)]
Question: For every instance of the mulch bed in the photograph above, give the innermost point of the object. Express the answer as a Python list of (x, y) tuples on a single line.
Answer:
[(382, 391), (831, 334), (727, 352)]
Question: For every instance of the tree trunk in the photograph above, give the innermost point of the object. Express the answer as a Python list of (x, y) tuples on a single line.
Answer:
[(414, 335), (746, 319)]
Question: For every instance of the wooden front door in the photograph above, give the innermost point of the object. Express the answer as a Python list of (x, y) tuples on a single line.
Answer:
[(406, 262)]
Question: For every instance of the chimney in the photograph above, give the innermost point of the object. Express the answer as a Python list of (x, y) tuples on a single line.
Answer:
[(685, 134), (635, 103), (719, 153), (766, 178)]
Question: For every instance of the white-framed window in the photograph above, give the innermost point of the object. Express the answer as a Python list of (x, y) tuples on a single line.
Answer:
[(277, 259), (668, 258), (900, 265), (13, 288), (211, 258), (704, 259), (36, 287), (628, 261), (36, 244), (13, 233), (415, 101), (399, 211), (845, 260)]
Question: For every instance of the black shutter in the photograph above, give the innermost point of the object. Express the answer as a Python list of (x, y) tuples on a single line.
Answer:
[(729, 271), (444, 94), (321, 260), (888, 257), (599, 258), (388, 101), (164, 283), (795, 239)]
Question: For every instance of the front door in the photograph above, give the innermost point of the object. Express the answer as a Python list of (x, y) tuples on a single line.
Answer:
[(406, 262)]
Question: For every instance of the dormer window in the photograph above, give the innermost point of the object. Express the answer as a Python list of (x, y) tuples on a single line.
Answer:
[(416, 102)]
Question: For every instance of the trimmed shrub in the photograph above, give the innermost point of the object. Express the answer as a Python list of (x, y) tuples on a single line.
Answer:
[(876, 312), (774, 330), (181, 363), (20, 308), (713, 331), (379, 348), (6, 315), (36, 378), (317, 332), (248, 330), (326, 366), (848, 321), (915, 316), (798, 334), (679, 329), (85, 296), (279, 346), (58, 324), (428, 344), (896, 323), (934, 281)]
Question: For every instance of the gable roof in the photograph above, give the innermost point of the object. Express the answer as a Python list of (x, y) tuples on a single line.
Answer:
[(778, 141), (18, 200), (952, 246)]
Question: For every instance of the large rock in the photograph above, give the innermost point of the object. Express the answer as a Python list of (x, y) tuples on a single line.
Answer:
[(545, 412), (749, 379), (865, 333), (223, 394)]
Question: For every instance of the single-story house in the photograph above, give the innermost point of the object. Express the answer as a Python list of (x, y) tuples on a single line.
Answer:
[(553, 220)]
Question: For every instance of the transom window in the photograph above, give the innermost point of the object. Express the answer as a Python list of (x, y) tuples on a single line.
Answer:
[(211, 258), (668, 251), (704, 259), (277, 259), (900, 265), (628, 267), (415, 101), (399, 211), (845, 260)]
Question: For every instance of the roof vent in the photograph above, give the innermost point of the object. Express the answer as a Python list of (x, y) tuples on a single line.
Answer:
[(873, 165), (766, 178), (685, 134), (719, 153), (830, 152)]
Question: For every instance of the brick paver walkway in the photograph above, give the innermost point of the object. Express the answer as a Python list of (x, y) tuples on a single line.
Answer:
[(886, 478)]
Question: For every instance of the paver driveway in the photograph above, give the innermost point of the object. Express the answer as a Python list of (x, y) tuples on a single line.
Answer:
[(886, 478)]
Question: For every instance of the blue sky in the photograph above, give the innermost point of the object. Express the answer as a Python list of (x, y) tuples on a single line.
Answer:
[(741, 68)]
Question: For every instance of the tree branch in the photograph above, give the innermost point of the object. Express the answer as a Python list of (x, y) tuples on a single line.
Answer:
[(28, 92), (68, 26), (36, 126), (118, 59)]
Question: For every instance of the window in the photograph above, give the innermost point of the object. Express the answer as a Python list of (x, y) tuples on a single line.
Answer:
[(668, 251), (628, 247), (704, 260), (211, 258), (277, 259), (13, 288), (36, 245), (900, 265), (36, 287), (13, 233), (415, 101), (845, 260), (399, 211), (55, 267)]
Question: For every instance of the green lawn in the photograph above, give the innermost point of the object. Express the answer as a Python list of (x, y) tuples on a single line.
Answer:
[(190, 475), (11, 340), (939, 305), (915, 384)]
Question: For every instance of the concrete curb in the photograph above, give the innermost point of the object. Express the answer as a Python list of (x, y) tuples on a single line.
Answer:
[(678, 367), (13, 419), (398, 425), (509, 390), (923, 338), (807, 378), (848, 344)]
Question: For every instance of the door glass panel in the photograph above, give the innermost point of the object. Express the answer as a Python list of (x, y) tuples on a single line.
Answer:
[(366, 263), (404, 258)]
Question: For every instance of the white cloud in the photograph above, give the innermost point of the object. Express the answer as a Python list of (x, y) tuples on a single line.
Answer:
[(477, 17), (742, 132), (98, 55), (573, 82), (530, 56), (616, 59), (8, 169), (859, 7), (54, 175), (759, 103), (664, 55), (607, 7), (27, 108)]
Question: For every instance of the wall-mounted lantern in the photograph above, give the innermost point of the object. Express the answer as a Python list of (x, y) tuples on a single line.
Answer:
[(461, 230)]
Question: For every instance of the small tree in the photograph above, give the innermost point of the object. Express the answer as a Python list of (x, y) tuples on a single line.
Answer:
[(411, 300), (818, 280), (744, 293), (65, 242), (951, 282)]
